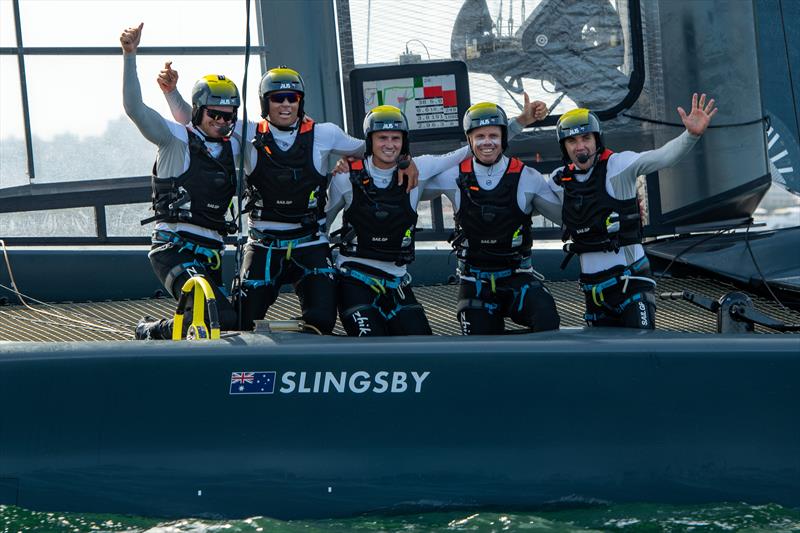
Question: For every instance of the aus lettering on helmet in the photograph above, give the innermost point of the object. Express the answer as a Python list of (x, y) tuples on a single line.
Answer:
[(281, 78), (578, 122), (213, 90), (487, 114), (386, 118)]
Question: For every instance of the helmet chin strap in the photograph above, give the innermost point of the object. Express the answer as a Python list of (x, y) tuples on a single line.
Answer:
[(293, 127), (209, 138)]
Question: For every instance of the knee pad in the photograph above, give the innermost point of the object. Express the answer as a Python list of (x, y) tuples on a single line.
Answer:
[(539, 304), (191, 269), (641, 313), (478, 317), (358, 317)]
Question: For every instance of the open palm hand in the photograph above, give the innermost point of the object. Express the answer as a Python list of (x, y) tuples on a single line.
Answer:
[(698, 119)]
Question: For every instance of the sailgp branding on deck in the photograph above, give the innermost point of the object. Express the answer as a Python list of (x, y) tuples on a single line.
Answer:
[(359, 382)]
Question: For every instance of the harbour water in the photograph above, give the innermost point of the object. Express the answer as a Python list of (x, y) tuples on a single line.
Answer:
[(629, 518)]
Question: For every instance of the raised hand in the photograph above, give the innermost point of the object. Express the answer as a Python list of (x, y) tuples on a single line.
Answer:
[(698, 119), (167, 78), (532, 111), (130, 39)]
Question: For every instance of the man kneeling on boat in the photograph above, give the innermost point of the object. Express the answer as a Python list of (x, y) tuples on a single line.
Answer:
[(601, 217), (287, 165), (494, 198), (193, 185), (378, 229)]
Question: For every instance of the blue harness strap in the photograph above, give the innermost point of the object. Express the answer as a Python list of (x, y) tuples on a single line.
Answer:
[(289, 244), (212, 256), (379, 286), (596, 289), (490, 276)]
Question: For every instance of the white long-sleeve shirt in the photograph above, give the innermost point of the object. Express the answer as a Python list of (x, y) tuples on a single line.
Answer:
[(171, 138), (330, 143), (621, 173), (534, 193)]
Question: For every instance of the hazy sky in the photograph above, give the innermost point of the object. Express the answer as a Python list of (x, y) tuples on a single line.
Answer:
[(80, 94)]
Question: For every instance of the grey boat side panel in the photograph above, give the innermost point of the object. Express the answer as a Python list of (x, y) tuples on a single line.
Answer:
[(150, 428), (697, 38)]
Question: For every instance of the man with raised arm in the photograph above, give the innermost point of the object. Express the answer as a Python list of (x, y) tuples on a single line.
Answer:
[(287, 164), (494, 198), (601, 217), (193, 184)]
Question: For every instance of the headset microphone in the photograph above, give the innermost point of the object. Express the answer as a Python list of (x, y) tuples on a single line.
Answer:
[(583, 158)]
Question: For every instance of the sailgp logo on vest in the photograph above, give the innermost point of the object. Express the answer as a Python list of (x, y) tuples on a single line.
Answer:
[(327, 382)]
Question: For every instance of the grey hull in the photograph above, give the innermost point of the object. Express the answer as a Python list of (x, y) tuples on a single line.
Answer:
[(515, 421)]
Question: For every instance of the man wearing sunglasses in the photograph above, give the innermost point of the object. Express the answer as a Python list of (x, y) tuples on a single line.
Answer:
[(193, 185), (494, 198), (601, 216), (287, 163)]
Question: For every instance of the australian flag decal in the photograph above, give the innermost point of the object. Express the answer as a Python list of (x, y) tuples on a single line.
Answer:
[(258, 382)]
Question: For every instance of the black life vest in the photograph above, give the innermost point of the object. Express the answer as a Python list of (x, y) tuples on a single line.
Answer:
[(592, 219), (285, 186), (380, 223), (202, 194), (491, 230)]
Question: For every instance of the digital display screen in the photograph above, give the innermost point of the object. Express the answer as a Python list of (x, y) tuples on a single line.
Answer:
[(427, 101), (433, 95)]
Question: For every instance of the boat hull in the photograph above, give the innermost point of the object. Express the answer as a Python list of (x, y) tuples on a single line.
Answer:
[(414, 423)]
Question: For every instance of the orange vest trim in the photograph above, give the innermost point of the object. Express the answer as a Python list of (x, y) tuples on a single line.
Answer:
[(516, 166), (466, 165), (358, 165), (263, 126), (307, 125)]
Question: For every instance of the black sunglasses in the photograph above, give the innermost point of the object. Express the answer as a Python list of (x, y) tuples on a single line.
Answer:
[(215, 114), (278, 98)]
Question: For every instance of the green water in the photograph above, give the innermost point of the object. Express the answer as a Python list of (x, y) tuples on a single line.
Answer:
[(629, 518)]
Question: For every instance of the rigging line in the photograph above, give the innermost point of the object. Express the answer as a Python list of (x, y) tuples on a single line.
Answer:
[(83, 320), (15, 289), (77, 318), (55, 323), (240, 176), (690, 247), (758, 268), (710, 126)]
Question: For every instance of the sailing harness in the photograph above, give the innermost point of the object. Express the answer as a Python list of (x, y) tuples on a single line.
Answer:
[(594, 221), (594, 289), (380, 223), (492, 232), (285, 186), (202, 195), (206, 256), (271, 242), (386, 289)]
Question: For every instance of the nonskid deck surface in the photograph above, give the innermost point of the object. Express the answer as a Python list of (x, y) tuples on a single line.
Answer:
[(115, 320)]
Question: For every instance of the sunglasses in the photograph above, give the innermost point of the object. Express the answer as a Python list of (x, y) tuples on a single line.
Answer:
[(215, 114), (278, 98)]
